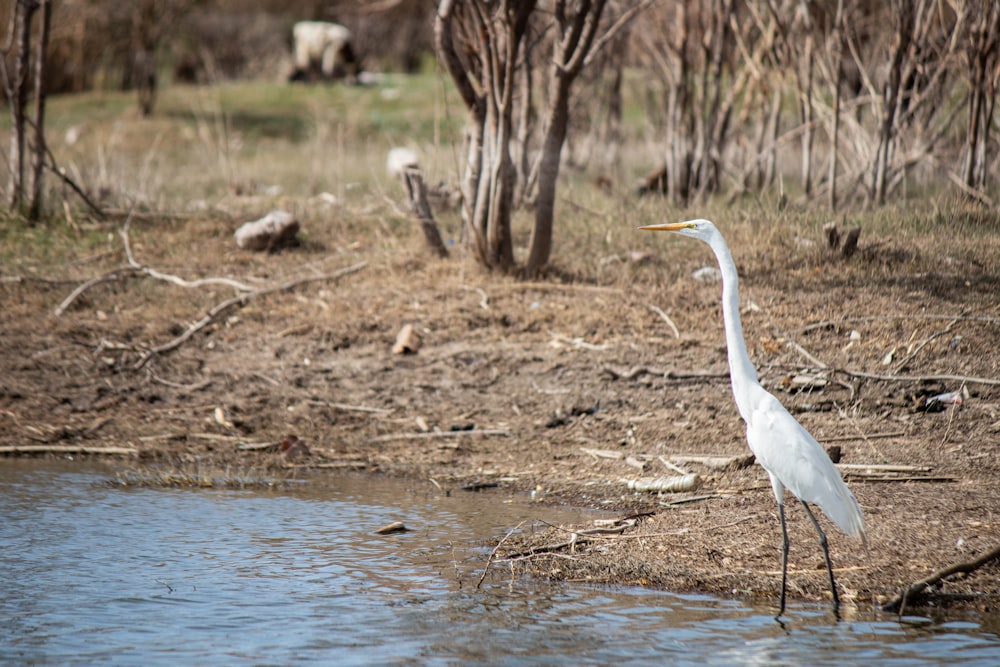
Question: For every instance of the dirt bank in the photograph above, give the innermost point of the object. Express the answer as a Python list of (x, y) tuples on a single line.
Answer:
[(567, 390)]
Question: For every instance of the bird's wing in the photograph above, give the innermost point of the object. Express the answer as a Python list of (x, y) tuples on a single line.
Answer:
[(786, 450)]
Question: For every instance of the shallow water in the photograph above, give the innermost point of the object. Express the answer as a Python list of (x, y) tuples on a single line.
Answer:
[(93, 574)]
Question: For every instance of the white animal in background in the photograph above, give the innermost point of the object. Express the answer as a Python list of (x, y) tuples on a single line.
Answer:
[(325, 44)]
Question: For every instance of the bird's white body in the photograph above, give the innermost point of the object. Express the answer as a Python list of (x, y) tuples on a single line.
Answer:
[(790, 455), (783, 447)]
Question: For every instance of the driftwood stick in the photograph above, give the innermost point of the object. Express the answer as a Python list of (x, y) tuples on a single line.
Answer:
[(441, 434), (869, 436), (805, 353), (826, 324), (240, 300), (666, 318), (883, 467), (489, 561), (176, 280), (117, 274), (898, 603), (68, 449), (920, 378)]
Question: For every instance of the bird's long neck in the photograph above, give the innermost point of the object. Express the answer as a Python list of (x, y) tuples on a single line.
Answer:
[(741, 369)]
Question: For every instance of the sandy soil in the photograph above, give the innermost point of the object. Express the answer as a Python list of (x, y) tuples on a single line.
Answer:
[(565, 390)]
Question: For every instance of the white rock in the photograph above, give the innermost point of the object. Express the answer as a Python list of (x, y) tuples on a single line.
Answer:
[(399, 160), (274, 229)]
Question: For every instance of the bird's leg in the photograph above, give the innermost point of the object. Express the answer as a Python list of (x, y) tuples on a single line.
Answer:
[(784, 558), (826, 555)]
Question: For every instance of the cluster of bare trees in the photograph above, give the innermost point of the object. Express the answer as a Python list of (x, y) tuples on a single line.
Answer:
[(500, 53), (861, 94), (869, 91)]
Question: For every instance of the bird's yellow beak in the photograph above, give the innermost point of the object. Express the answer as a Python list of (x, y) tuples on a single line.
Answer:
[(668, 227)]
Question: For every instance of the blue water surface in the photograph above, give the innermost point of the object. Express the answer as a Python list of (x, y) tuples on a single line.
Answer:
[(92, 574)]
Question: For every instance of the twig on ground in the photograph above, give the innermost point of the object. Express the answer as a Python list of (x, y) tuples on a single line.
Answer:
[(68, 449), (176, 280), (919, 378), (666, 318), (810, 358), (902, 364), (442, 434), (489, 561), (197, 386), (825, 324), (636, 371), (867, 436), (241, 300), (117, 274), (898, 603)]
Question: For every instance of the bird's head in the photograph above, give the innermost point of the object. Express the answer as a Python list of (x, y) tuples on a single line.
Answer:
[(696, 229)]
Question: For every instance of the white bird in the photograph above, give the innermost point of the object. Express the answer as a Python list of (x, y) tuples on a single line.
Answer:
[(783, 447)]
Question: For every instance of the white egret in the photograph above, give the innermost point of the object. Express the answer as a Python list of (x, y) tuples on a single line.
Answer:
[(783, 447)]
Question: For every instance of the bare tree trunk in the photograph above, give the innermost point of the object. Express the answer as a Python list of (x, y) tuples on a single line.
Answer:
[(836, 52), (17, 95), (38, 158), (144, 39), (807, 112), (984, 44), (573, 42), (484, 68), (679, 117), (904, 14), (525, 124)]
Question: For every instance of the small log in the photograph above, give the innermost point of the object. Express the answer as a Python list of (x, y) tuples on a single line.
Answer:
[(898, 603), (675, 484), (407, 341), (416, 188), (832, 235), (603, 453), (851, 242), (394, 527), (717, 462)]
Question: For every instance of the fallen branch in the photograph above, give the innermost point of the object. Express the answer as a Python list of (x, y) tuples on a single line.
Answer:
[(898, 603), (636, 371), (197, 386), (344, 407), (882, 477), (489, 561), (153, 273), (873, 436), (883, 467), (240, 300), (902, 364), (442, 434), (117, 274), (69, 449), (576, 537), (919, 378), (826, 324)]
